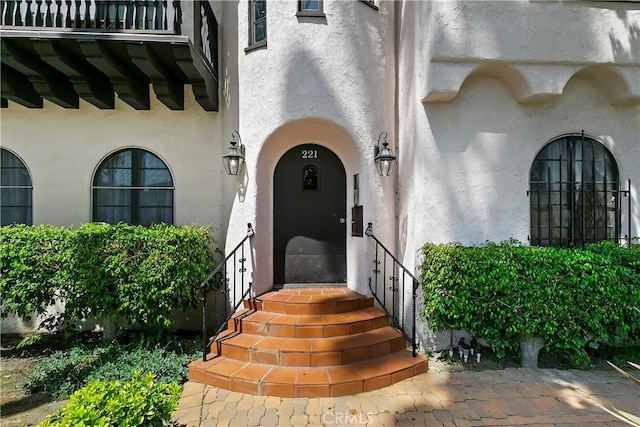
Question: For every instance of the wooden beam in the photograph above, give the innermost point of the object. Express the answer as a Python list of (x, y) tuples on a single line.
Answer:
[(91, 84), (131, 86), (49, 82), (203, 82), (168, 89), (18, 88)]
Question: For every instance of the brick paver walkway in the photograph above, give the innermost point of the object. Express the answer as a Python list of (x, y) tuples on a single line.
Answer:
[(529, 397)]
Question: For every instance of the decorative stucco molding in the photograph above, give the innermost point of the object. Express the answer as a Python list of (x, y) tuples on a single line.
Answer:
[(532, 83)]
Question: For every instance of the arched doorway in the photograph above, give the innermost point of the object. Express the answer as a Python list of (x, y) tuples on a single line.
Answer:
[(309, 217)]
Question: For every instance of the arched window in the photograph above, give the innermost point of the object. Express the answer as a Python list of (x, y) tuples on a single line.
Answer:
[(574, 192), (133, 186), (16, 204)]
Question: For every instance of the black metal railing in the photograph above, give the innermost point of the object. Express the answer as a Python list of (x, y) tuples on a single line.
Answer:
[(154, 15), (207, 37), (575, 194), (232, 286), (391, 281)]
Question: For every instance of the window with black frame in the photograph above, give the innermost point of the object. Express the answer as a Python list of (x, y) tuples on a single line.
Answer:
[(310, 8), (16, 190), (133, 186), (372, 3), (257, 23), (574, 193)]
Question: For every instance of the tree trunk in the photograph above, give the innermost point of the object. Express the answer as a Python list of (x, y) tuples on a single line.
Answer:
[(530, 347)]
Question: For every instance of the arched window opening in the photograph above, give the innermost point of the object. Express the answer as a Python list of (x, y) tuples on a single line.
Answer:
[(16, 190), (133, 186), (574, 193)]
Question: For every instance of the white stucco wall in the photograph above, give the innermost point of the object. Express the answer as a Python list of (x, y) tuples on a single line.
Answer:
[(328, 81), (483, 86), (545, 31), (62, 149), (227, 14), (464, 162)]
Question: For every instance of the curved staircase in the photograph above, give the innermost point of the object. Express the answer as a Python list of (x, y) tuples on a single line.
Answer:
[(308, 342)]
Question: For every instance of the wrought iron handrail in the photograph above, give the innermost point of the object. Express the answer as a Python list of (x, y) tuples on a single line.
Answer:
[(235, 302), (397, 310)]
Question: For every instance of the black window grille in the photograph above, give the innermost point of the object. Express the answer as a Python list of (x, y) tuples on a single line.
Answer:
[(574, 193)]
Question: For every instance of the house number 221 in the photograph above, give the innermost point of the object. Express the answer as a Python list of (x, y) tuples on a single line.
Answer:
[(309, 154)]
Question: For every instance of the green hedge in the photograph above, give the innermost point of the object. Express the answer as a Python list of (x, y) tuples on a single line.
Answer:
[(503, 292), (121, 272)]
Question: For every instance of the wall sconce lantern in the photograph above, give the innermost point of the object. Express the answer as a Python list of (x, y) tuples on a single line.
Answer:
[(234, 158), (383, 157)]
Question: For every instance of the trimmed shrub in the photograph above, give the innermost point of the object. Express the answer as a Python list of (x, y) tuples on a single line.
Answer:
[(509, 291), (119, 272), (138, 402), (32, 262)]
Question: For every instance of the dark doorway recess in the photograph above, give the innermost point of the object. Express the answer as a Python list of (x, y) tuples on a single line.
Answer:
[(309, 227)]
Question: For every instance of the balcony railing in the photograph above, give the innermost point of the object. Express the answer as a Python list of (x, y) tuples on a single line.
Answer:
[(62, 50), (153, 15)]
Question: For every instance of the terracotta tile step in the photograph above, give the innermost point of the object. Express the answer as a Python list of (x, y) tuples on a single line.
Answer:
[(306, 301), (333, 381), (283, 351), (307, 326)]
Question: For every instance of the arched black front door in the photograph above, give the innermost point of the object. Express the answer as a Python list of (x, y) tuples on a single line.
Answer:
[(309, 217)]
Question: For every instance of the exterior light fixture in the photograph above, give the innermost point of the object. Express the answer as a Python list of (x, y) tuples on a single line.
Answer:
[(383, 157), (234, 158)]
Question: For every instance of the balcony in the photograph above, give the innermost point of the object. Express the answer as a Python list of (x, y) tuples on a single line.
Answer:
[(67, 50)]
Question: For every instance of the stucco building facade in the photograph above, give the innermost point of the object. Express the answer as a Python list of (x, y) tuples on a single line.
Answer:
[(467, 93)]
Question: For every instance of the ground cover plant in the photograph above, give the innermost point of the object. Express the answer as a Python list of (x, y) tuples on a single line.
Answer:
[(119, 273), (65, 371), (504, 293)]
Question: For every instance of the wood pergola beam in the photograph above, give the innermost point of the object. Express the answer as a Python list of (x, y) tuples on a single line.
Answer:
[(90, 83), (50, 83)]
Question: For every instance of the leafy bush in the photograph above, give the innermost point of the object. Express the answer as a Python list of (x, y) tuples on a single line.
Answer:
[(64, 372), (31, 261), (119, 272), (504, 292), (138, 402)]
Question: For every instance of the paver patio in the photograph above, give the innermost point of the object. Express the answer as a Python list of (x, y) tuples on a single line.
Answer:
[(513, 396)]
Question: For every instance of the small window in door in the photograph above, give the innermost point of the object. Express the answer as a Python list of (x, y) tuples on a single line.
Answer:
[(310, 178)]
